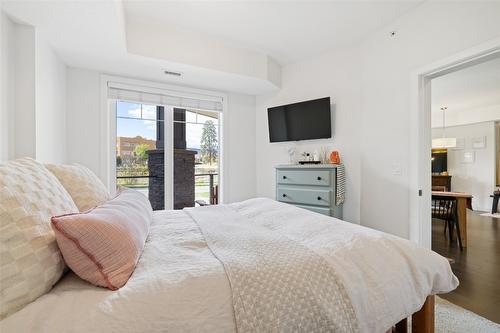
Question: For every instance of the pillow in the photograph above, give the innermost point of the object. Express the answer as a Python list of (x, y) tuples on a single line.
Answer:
[(104, 244), (30, 262), (83, 185)]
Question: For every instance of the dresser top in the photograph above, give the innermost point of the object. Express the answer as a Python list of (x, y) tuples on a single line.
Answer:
[(307, 166)]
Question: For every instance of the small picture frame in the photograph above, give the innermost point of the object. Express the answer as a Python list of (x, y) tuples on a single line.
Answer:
[(460, 144), (478, 142), (468, 156)]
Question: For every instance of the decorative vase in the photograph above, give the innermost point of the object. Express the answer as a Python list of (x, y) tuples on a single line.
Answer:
[(335, 157)]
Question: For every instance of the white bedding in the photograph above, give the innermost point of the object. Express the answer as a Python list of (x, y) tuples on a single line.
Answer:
[(179, 286)]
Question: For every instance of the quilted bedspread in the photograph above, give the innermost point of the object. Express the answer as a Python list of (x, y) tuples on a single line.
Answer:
[(179, 285)]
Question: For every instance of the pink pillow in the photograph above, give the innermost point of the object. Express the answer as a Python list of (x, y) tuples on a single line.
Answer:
[(104, 244)]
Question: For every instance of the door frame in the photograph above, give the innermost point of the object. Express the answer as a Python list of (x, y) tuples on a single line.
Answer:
[(420, 228), (108, 133)]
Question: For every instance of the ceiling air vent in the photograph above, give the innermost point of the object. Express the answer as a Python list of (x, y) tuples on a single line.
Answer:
[(166, 72)]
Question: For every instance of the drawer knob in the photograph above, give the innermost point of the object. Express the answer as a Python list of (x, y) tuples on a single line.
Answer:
[(284, 177), (319, 198), (284, 195), (319, 178)]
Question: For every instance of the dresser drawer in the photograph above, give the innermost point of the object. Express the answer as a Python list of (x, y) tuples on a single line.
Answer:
[(304, 196), (321, 210), (303, 177)]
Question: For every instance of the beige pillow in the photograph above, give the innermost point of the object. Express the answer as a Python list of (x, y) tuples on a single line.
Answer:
[(83, 185), (30, 261)]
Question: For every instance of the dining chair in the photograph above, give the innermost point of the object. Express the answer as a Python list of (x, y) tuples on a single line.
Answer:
[(445, 208)]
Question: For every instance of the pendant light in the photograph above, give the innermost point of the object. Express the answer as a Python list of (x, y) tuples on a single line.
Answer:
[(444, 142)]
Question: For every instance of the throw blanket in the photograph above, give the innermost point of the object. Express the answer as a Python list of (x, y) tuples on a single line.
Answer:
[(278, 285), (340, 195)]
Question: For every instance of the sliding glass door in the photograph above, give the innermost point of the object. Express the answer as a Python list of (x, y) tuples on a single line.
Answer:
[(170, 154)]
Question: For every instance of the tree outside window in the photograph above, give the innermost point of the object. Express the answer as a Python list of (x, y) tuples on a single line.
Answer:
[(209, 143)]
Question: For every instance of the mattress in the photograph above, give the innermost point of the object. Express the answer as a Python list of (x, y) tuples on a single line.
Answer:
[(179, 286)]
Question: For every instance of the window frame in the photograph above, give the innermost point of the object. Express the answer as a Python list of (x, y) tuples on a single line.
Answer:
[(108, 133)]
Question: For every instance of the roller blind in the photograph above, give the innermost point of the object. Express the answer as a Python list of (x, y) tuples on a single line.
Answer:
[(156, 96)]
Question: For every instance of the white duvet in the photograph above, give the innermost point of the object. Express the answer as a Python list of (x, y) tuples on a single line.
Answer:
[(179, 286)]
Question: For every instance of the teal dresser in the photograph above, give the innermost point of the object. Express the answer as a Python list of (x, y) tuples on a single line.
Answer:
[(312, 187)]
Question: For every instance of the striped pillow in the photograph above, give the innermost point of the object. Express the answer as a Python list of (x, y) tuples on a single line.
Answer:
[(103, 245)]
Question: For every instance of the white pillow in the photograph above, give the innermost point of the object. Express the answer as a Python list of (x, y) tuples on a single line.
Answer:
[(82, 184), (30, 261)]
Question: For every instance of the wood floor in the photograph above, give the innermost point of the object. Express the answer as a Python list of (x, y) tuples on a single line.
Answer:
[(477, 266)]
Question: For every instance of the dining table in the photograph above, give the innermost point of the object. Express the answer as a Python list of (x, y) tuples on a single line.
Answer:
[(464, 202)]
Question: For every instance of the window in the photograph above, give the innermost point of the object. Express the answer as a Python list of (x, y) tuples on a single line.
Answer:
[(197, 132), (136, 137), (141, 135), (164, 123)]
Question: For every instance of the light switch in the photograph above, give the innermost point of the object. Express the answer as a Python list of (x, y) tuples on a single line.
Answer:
[(396, 169)]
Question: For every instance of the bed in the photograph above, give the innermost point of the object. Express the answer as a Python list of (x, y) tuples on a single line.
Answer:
[(179, 285)]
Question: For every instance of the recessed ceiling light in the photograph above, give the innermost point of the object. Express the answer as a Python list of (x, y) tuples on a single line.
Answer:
[(167, 72)]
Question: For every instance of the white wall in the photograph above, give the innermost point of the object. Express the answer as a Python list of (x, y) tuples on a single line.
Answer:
[(24, 91), (431, 32), (371, 86), (84, 132), (50, 104), (33, 96), (239, 147), (477, 178), (335, 75), (7, 82), (83, 118)]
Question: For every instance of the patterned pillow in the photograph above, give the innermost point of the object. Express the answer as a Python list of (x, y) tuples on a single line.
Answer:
[(104, 244), (83, 185), (30, 261)]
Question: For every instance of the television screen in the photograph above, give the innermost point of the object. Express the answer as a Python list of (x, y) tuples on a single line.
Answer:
[(439, 161), (300, 121)]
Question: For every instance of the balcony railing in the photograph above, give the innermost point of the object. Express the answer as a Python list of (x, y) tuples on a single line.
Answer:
[(203, 181), (213, 194), (125, 177)]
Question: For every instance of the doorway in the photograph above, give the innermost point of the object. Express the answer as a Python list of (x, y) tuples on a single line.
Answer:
[(461, 107), (420, 134)]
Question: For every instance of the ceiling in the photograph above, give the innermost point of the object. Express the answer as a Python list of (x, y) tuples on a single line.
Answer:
[(471, 94), (287, 31), (233, 46)]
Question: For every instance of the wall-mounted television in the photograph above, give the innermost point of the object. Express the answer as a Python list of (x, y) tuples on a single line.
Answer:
[(306, 120)]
